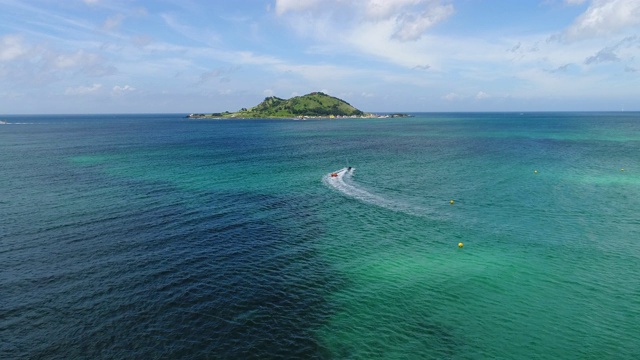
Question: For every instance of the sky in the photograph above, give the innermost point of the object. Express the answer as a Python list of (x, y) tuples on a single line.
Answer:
[(186, 56)]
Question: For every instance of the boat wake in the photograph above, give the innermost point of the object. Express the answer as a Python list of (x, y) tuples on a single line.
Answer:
[(342, 181)]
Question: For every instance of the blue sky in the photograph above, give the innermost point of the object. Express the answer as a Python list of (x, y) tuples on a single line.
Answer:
[(182, 56)]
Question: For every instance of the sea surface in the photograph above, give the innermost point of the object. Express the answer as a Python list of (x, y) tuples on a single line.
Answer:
[(160, 237)]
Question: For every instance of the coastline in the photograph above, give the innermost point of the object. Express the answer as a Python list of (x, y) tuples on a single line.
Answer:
[(315, 105), (216, 116)]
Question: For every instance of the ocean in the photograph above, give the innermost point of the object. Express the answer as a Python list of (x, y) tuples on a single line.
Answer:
[(156, 236)]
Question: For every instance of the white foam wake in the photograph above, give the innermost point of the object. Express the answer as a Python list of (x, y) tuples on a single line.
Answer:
[(343, 182)]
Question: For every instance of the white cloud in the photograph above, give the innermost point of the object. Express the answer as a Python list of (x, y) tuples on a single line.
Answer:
[(376, 39), (77, 59), (283, 6), (452, 97), (398, 32), (383, 9), (87, 63), (604, 17), (482, 95), (112, 22), (410, 19), (395, 31), (11, 47), (412, 27), (121, 90), (83, 90)]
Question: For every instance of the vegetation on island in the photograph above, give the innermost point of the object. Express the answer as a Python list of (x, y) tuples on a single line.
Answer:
[(316, 104)]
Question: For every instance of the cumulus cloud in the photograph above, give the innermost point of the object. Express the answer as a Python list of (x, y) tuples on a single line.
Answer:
[(410, 18), (604, 17), (121, 90), (396, 31), (482, 95), (283, 6), (451, 97), (412, 26), (11, 47), (25, 63), (83, 90)]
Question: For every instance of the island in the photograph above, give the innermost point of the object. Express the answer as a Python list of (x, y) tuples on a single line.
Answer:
[(313, 105)]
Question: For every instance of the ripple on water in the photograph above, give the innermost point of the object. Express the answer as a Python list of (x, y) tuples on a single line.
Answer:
[(241, 277)]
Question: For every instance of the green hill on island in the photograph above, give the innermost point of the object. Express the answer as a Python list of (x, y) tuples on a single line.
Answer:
[(315, 104)]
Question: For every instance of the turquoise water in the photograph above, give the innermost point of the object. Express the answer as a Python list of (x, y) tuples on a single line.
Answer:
[(145, 236)]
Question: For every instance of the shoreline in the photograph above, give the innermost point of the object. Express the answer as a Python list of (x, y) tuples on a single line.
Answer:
[(299, 117)]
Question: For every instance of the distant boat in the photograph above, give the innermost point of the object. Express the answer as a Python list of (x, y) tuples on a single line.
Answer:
[(343, 170)]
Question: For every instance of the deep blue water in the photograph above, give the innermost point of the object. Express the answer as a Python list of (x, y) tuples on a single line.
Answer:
[(156, 236)]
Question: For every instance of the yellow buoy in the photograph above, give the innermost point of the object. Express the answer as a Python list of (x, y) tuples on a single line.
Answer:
[(621, 169), (535, 171), (451, 202), (460, 245)]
